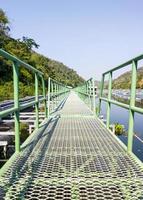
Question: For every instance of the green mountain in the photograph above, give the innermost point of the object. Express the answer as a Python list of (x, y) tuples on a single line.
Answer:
[(124, 81), (23, 49)]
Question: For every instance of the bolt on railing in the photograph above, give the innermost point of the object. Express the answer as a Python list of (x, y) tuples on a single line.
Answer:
[(86, 92), (131, 107), (53, 94)]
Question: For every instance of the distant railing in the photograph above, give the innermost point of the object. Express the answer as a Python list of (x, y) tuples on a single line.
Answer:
[(131, 107), (56, 93), (55, 90), (86, 91)]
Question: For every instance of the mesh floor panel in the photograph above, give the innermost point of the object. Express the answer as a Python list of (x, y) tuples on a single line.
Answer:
[(73, 158)]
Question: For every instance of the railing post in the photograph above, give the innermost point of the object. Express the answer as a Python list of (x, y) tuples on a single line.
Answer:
[(90, 94), (109, 98), (57, 94), (49, 87), (52, 95), (87, 88), (94, 103), (100, 94), (16, 105), (86, 97), (54, 85), (132, 103), (44, 95), (60, 90), (37, 102)]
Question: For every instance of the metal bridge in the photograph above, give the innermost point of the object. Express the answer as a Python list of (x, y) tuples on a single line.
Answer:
[(72, 154)]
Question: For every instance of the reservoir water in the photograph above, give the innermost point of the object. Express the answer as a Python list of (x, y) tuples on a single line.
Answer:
[(121, 115)]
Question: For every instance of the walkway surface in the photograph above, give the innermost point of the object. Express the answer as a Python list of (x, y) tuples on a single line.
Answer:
[(73, 156)]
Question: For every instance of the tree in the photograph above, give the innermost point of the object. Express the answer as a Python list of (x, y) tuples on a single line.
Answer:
[(4, 28), (30, 43), (22, 48)]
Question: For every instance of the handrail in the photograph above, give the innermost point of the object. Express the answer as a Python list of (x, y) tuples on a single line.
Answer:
[(86, 92), (59, 83), (85, 82), (59, 89), (137, 58), (20, 62), (131, 107), (56, 93)]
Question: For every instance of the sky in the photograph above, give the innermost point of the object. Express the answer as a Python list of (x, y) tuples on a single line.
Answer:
[(90, 36)]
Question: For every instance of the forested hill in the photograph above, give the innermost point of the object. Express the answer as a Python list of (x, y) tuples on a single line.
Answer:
[(23, 49), (124, 81)]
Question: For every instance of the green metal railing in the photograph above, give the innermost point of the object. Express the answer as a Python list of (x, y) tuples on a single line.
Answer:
[(131, 107), (56, 91), (86, 92)]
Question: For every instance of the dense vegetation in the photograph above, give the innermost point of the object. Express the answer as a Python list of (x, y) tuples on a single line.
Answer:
[(23, 49), (124, 81)]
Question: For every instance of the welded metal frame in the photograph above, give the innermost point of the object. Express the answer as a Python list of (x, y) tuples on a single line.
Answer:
[(131, 107), (61, 91), (86, 92)]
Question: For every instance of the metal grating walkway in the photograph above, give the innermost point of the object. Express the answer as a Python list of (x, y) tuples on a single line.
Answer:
[(73, 156)]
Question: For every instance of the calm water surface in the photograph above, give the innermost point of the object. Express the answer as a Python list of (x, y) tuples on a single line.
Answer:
[(121, 115)]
